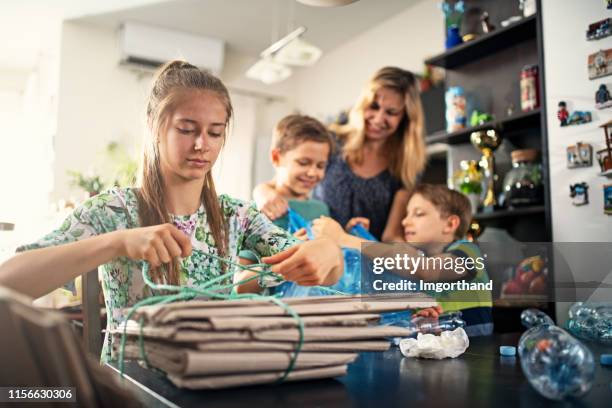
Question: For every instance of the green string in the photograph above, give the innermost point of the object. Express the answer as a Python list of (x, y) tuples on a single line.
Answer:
[(210, 289)]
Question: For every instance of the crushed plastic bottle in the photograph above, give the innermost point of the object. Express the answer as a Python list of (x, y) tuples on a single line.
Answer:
[(556, 364), (591, 321), (535, 317), (420, 324)]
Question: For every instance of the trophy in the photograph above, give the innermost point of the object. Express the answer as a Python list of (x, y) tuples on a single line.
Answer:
[(487, 141)]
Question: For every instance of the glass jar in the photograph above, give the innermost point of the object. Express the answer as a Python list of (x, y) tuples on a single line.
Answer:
[(523, 183)]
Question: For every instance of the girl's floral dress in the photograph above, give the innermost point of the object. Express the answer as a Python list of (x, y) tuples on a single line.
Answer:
[(122, 281)]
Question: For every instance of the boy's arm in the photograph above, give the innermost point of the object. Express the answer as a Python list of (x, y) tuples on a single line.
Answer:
[(393, 230), (328, 227), (268, 201)]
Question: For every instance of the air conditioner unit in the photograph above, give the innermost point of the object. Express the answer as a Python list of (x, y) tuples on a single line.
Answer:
[(149, 46)]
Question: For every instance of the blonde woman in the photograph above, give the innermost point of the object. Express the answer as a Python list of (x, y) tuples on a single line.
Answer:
[(174, 219), (381, 154)]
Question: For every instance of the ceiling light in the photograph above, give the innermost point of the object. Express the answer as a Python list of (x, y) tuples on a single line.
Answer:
[(268, 71), (289, 50)]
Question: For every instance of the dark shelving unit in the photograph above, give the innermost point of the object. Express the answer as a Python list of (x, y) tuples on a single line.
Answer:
[(489, 69), (498, 40), (510, 125), (513, 212)]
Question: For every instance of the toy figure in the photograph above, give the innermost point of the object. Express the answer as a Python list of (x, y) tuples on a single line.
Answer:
[(562, 113), (602, 97), (580, 193)]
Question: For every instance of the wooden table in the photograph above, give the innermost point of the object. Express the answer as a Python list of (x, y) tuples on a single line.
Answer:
[(478, 378)]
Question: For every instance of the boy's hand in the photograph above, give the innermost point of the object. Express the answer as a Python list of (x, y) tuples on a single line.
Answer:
[(430, 312), (365, 222), (327, 227), (275, 207), (301, 234)]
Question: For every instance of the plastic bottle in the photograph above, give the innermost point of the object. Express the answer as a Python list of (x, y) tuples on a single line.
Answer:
[(556, 364), (535, 317), (419, 324), (591, 321)]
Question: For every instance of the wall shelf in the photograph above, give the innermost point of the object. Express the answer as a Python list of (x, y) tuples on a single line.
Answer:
[(517, 122), (506, 213), (486, 45)]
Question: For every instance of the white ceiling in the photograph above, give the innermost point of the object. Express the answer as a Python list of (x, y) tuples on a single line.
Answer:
[(250, 26)]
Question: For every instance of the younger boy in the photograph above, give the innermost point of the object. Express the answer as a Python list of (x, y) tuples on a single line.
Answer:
[(301, 148), (436, 221)]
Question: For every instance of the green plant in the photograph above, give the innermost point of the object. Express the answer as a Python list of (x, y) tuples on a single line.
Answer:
[(92, 184), (470, 187), (124, 167)]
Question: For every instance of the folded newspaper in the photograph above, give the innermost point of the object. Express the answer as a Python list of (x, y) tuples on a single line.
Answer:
[(218, 344)]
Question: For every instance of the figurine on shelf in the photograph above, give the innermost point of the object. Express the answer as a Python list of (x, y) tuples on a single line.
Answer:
[(456, 118), (580, 193), (530, 98), (529, 7), (562, 113), (487, 27), (469, 181), (453, 16), (480, 118), (602, 97)]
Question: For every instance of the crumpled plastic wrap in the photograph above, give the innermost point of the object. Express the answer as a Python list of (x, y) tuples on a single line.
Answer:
[(448, 344)]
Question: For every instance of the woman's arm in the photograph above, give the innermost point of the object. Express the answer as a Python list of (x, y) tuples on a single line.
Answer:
[(39, 271), (269, 202), (393, 230)]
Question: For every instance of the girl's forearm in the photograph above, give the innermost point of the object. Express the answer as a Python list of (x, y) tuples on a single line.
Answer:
[(39, 271)]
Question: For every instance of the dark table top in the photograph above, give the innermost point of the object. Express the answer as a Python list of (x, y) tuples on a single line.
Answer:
[(478, 378)]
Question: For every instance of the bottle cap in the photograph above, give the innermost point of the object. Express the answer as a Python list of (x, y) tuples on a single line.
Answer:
[(507, 350)]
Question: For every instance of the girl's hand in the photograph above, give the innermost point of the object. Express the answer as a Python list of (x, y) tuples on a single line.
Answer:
[(327, 227), (311, 263), (430, 312), (275, 207), (156, 244), (365, 222)]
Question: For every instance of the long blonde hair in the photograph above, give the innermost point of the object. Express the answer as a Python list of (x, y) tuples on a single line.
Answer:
[(406, 148), (152, 209)]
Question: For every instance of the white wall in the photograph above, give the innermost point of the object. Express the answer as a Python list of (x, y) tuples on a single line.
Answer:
[(404, 40), (565, 59), (100, 101)]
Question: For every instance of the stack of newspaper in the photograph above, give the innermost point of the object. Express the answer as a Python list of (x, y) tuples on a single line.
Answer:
[(218, 344)]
